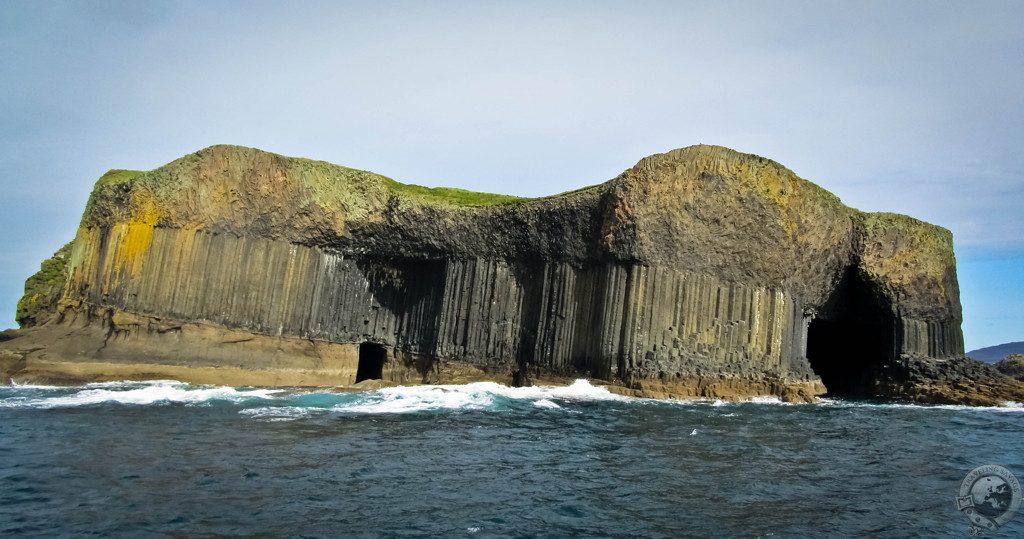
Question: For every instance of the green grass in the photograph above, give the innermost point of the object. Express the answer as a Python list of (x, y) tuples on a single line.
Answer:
[(453, 196), (449, 195), (117, 177)]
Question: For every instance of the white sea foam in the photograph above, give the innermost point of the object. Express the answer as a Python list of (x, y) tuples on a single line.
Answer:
[(15, 384), (717, 403), (141, 393), (475, 396), (580, 390), (1008, 406), (402, 399), (767, 400), (399, 400)]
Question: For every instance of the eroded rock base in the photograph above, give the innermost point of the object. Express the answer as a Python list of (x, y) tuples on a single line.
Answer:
[(92, 345), (959, 380), (729, 388)]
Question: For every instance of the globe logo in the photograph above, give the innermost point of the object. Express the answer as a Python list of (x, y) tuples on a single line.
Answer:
[(989, 497)]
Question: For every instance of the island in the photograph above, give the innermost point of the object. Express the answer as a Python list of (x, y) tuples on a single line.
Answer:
[(697, 273)]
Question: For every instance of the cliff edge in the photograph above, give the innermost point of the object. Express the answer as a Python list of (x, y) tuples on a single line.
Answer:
[(700, 272)]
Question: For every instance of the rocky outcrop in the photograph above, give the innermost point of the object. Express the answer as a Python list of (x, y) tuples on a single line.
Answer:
[(1012, 366), (958, 380), (698, 272)]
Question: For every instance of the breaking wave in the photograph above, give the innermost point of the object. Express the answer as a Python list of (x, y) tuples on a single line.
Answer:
[(286, 405), (1005, 407), (132, 393), (475, 396), (265, 404)]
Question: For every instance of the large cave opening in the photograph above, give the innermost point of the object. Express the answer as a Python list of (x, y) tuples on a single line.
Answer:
[(371, 362), (850, 338)]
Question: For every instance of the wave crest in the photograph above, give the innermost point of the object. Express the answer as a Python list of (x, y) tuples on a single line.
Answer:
[(475, 396), (133, 393)]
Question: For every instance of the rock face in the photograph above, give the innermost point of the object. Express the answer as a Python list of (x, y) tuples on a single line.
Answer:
[(698, 272)]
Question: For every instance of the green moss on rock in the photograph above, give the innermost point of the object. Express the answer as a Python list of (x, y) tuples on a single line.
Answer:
[(117, 177), (43, 290), (111, 189), (913, 261)]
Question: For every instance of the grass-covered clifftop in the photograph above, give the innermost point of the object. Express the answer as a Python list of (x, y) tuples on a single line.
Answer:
[(44, 288), (449, 195), (703, 208)]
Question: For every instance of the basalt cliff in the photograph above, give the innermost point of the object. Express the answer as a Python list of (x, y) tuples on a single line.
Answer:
[(701, 272)]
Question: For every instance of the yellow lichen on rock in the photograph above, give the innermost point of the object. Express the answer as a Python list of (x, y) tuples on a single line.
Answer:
[(137, 234), (134, 243)]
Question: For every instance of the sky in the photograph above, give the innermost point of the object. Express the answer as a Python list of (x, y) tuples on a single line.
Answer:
[(910, 107)]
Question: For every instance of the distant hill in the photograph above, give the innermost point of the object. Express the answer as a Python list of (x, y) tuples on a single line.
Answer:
[(991, 354)]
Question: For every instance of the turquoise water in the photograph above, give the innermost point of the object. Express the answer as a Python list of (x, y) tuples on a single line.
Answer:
[(164, 458)]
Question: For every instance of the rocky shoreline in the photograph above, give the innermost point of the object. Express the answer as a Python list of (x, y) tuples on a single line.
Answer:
[(77, 351), (72, 354)]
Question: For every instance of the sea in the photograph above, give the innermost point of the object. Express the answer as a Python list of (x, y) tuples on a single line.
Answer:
[(163, 458)]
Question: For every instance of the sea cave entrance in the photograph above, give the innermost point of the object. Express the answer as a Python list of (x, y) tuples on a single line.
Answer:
[(371, 361), (850, 337)]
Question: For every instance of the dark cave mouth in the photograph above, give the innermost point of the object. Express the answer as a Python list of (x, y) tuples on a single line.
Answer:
[(850, 338), (842, 357), (371, 361)]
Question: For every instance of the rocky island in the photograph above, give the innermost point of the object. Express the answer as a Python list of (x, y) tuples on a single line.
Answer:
[(700, 272)]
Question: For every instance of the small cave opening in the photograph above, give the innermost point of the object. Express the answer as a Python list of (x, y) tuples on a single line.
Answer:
[(850, 338), (371, 361)]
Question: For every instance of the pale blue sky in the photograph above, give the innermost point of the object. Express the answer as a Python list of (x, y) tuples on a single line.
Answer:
[(913, 107)]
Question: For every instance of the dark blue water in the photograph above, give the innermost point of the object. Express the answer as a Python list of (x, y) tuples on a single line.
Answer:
[(153, 459)]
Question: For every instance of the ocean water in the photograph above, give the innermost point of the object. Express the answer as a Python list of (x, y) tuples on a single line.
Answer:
[(140, 459)]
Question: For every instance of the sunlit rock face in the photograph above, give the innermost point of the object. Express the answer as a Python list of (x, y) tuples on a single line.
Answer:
[(698, 272)]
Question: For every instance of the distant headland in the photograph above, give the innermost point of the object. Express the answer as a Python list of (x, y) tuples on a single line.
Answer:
[(698, 273)]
